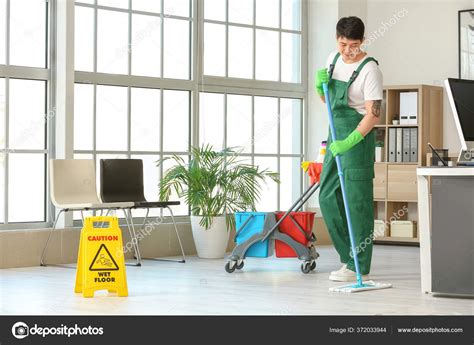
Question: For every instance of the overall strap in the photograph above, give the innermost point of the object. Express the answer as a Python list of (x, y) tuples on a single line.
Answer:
[(357, 71), (333, 64)]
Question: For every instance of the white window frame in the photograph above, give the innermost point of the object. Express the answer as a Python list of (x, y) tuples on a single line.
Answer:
[(253, 87), (8, 72), (132, 81), (61, 78)]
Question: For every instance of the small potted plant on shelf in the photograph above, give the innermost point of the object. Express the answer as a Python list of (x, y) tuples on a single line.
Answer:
[(379, 145), (215, 184)]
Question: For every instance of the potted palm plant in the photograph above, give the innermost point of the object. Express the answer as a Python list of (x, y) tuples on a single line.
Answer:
[(214, 185)]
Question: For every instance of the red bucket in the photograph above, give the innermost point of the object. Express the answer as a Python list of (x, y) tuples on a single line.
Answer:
[(291, 226)]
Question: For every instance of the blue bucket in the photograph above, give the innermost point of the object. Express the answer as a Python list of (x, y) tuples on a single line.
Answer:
[(254, 226)]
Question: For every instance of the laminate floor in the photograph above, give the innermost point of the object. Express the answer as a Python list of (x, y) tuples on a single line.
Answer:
[(264, 287)]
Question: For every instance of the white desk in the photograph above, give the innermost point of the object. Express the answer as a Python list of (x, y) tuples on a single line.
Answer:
[(424, 215)]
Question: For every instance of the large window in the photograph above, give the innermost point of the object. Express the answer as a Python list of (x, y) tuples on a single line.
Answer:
[(144, 40), (146, 115), (132, 122), (140, 90), (151, 79), (267, 131), (24, 115), (253, 89), (250, 39)]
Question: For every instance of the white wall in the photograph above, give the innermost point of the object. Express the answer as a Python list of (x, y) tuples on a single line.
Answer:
[(420, 48), (323, 16)]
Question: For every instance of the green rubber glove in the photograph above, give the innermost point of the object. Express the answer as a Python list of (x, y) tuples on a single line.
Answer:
[(340, 146), (322, 77)]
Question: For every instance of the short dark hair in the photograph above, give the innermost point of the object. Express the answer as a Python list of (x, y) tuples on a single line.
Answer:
[(350, 27)]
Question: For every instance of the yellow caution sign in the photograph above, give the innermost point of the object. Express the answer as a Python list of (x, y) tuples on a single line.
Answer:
[(100, 262)]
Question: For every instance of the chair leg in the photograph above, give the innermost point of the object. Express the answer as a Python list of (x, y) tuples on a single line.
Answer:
[(133, 238), (144, 223), (183, 260), (106, 214), (49, 238), (137, 253), (177, 235)]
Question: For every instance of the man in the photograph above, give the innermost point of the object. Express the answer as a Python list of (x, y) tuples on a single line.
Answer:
[(356, 92)]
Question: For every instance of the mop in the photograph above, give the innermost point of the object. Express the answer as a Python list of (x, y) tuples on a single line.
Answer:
[(360, 285)]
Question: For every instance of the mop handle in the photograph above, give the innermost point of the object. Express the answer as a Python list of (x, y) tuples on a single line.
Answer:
[(302, 199), (343, 187)]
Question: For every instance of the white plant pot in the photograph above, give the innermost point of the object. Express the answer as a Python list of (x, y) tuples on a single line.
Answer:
[(210, 243)]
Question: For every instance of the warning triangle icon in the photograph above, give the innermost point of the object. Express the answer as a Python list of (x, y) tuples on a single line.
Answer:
[(103, 260)]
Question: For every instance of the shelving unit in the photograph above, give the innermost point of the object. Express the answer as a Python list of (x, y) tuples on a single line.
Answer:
[(395, 183)]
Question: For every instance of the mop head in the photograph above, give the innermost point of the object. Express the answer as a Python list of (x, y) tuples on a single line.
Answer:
[(365, 286)]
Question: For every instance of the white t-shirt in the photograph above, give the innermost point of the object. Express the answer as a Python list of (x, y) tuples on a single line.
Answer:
[(368, 85)]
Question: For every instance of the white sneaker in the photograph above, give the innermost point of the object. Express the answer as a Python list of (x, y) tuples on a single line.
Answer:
[(339, 270), (346, 275)]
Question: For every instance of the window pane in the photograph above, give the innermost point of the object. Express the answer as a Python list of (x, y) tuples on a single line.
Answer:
[(290, 176), (267, 55), (290, 57), (176, 49), (26, 186), (2, 114), (28, 33), (83, 156), (27, 119), (291, 14), (268, 195), (214, 9), (146, 45), (145, 122), (239, 122), (182, 209), (151, 178), (175, 121), (214, 49), (268, 13), (211, 120), (240, 52), (112, 42), (2, 146), (2, 188), (84, 39), (147, 5), (177, 7), (86, 1), (113, 3), (241, 11), (3, 19), (83, 116), (266, 125), (290, 126), (111, 118)]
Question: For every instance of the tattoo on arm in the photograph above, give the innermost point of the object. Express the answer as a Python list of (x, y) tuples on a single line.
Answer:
[(376, 105)]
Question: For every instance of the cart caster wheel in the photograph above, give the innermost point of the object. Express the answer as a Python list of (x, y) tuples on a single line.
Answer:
[(306, 267), (313, 265), (229, 268), (240, 266)]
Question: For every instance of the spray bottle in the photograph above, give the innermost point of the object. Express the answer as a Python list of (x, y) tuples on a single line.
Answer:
[(322, 152)]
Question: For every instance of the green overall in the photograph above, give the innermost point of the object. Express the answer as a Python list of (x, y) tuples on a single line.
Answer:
[(358, 169)]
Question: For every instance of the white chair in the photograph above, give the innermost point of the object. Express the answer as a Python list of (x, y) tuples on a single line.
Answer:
[(73, 188)]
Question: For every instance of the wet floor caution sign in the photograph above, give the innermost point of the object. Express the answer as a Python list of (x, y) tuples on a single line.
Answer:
[(100, 262)]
